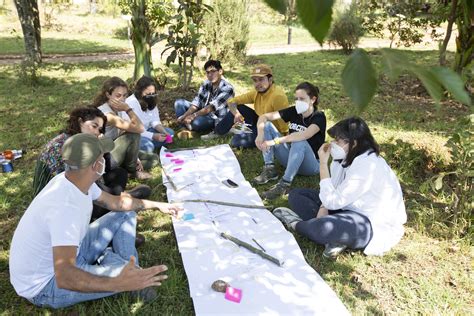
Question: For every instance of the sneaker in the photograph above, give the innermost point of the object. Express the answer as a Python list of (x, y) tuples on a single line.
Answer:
[(331, 251), (141, 191), (269, 173), (211, 135), (241, 128), (147, 294), (141, 175), (280, 189), (286, 216)]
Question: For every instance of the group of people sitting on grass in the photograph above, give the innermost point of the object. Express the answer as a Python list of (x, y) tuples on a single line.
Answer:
[(77, 240)]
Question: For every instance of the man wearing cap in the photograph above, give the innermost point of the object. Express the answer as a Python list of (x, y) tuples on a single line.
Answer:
[(246, 108), (57, 259)]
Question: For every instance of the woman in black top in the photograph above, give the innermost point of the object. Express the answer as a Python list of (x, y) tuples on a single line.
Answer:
[(297, 151)]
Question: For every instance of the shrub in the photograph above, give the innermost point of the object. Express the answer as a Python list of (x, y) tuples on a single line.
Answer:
[(226, 30), (346, 30)]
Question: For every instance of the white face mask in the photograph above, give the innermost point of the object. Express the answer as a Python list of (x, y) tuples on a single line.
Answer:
[(102, 163), (337, 152), (301, 106)]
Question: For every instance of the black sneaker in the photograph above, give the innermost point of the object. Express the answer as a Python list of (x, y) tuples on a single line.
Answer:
[(269, 173), (331, 251), (280, 189), (141, 191)]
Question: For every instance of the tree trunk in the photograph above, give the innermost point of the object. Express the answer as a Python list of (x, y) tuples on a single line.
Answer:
[(30, 24), (289, 34), (141, 36), (449, 29), (465, 39)]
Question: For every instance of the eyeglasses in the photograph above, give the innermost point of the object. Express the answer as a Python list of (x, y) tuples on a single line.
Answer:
[(151, 95), (212, 71)]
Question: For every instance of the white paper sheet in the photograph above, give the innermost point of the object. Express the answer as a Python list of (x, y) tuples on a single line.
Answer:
[(267, 289)]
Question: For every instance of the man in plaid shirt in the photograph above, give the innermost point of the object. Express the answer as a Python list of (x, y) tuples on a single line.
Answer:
[(209, 107)]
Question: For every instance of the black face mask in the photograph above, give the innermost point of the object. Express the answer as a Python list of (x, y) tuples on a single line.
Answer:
[(150, 100)]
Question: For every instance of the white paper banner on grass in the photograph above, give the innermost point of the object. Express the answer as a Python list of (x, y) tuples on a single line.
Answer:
[(267, 289)]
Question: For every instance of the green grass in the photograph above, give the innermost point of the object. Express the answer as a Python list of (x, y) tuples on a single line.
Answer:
[(424, 274)]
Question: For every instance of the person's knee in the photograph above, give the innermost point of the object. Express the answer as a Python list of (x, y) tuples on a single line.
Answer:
[(179, 104), (298, 146), (294, 197)]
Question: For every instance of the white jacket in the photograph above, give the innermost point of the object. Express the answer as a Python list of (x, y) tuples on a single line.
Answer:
[(370, 187)]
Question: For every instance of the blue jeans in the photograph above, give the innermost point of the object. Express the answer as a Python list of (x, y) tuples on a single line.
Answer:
[(297, 157), (341, 227), (240, 140), (96, 257), (203, 123), (150, 145)]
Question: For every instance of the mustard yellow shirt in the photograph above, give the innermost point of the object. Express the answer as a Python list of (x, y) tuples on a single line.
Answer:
[(274, 99)]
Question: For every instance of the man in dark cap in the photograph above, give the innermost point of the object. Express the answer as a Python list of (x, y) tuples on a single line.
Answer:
[(58, 259)]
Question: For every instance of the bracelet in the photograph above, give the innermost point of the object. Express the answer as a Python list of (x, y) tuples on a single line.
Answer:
[(277, 141), (129, 110)]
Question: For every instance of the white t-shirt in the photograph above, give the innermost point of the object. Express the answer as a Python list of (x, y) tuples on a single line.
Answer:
[(112, 131), (58, 216), (148, 118), (369, 187)]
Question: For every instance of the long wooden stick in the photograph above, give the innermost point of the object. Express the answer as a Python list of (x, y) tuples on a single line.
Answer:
[(172, 150), (263, 207), (252, 249), (169, 179)]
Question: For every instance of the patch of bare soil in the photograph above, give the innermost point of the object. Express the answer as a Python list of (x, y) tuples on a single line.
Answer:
[(166, 99)]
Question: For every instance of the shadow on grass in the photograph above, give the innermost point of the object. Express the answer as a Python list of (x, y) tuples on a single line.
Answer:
[(15, 46)]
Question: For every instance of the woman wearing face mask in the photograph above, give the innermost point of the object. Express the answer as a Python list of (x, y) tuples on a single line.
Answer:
[(297, 151), (359, 204), (124, 128), (143, 103)]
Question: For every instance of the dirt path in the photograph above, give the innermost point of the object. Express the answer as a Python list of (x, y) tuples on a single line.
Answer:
[(252, 51)]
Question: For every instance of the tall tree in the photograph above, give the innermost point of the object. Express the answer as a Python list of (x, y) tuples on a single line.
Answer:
[(147, 18), (30, 24)]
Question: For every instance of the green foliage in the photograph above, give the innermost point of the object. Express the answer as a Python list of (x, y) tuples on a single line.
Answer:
[(226, 30), (359, 79), (404, 21), (458, 182), (347, 30), (316, 16), (184, 36), (148, 17)]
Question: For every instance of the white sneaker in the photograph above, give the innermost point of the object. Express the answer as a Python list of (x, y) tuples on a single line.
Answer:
[(211, 135), (241, 128)]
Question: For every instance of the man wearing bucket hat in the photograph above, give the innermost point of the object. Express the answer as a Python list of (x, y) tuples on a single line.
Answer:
[(246, 108), (57, 259)]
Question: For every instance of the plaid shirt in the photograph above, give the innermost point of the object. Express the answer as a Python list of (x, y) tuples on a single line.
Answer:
[(217, 98)]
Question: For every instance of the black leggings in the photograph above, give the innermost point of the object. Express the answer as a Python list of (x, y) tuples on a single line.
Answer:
[(339, 227)]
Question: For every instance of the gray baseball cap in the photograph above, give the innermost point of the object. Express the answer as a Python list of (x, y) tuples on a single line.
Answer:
[(82, 150)]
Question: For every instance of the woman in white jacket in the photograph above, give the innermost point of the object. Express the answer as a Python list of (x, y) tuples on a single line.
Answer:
[(359, 204)]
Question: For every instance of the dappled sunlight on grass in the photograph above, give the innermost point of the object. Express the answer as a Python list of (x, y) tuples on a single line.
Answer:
[(411, 132)]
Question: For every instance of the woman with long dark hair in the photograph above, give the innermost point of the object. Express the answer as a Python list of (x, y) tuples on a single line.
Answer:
[(359, 204), (143, 103), (50, 163)]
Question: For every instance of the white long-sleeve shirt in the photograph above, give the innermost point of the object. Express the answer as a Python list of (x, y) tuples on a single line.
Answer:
[(148, 118), (369, 187)]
